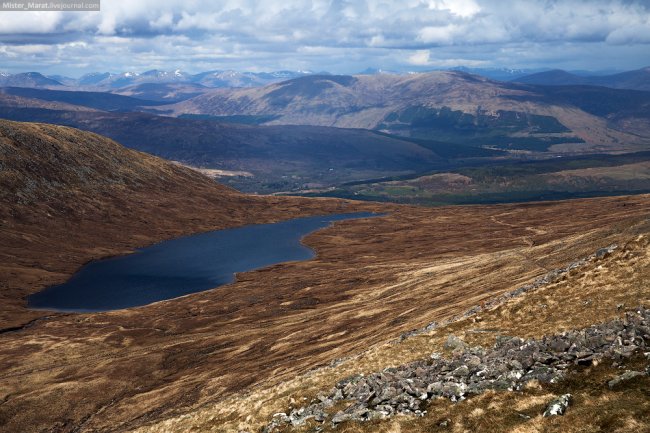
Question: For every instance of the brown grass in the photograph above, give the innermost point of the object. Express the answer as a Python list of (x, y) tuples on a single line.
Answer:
[(228, 358), (608, 282)]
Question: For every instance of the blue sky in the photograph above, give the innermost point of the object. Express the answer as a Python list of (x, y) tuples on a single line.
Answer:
[(339, 36)]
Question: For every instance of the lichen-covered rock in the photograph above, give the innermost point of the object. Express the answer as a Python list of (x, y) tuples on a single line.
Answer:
[(558, 406)]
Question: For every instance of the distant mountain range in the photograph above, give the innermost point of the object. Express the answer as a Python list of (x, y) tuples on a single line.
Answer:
[(634, 80), (445, 106), (28, 79), (500, 74), (196, 83), (317, 131), (108, 80)]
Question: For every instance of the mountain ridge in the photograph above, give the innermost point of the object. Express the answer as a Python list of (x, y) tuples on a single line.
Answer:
[(448, 106), (634, 80)]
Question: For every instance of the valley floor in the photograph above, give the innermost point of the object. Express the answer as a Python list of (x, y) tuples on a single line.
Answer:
[(227, 359)]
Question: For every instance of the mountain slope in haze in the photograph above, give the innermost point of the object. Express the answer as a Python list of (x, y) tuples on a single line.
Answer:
[(8, 101), (98, 100), (501, 74), (633, 80), (108, 81), (167, 92), (28, 79), (281, 157), (243, 79), (69, 196), (448, 106)]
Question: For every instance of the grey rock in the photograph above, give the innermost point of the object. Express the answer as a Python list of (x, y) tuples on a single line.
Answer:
[(435, 389), (340, 417), (604, 252), (503, 384), (281, 418), (386, 394), (349, 380), (352, 413), (558, 406), (507, 366), (543, 358), (473, 362), (454, 391), (628, 375), (461, 371), (454, 343), (377, 414)]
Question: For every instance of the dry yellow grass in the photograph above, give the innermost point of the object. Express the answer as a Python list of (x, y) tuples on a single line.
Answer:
[(590, 294)]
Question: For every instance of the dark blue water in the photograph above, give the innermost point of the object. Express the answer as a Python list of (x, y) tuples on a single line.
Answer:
[(182, 266)]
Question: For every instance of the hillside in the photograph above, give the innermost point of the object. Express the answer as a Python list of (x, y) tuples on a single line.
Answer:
[(58, 181), (13, 102), (280, 157), (159, 92), (410, 141), (449, 106), (227, 359), (418, 124), (71, 196), (633, 80), (97, 100)]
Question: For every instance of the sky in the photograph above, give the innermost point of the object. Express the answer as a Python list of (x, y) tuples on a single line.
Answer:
[(338, 36)]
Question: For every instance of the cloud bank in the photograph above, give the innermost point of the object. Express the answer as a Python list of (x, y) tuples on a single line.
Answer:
[(334, 35)]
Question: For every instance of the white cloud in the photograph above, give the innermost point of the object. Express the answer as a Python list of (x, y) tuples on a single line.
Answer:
[(356, 33), (438, 35), (461, 8), (420, 58), (29, 22)]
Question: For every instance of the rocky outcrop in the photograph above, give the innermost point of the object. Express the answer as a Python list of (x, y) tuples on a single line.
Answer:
[(509, 365)]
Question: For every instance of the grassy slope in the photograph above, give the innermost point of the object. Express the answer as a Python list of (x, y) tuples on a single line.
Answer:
[(590, 294), (68, 196), (372, 280)]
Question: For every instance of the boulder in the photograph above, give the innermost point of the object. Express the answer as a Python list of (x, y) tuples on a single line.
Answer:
[(454, 343), (558, 406), (461, 371), (628, 375)]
